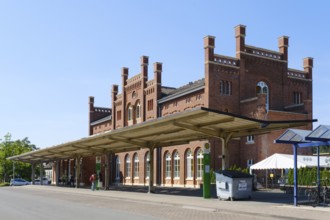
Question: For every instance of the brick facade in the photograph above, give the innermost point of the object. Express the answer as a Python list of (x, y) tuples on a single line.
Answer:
[(257, 83)]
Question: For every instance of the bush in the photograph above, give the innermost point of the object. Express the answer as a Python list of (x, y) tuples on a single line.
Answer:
[(308, 176), (4, 184)]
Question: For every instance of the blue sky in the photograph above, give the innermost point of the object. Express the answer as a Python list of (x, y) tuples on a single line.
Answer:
[(55, 54)]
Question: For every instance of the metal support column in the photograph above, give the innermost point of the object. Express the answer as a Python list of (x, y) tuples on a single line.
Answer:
[(206, 173), (295, 176), (318, 171)]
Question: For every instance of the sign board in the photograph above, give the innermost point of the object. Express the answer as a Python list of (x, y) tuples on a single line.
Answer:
[(206, 149), (207, 168), (242, 185), (98, 164), (98, 159)]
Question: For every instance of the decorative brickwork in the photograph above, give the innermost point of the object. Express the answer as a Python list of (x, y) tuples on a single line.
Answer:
[(257, 83)]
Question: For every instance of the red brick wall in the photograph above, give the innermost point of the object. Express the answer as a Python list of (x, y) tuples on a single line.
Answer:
[(250, 66)]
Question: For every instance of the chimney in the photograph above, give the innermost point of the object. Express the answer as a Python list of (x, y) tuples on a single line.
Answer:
[(283, 44), (240, 32), (308, 67), (91, 103), (209, 45)]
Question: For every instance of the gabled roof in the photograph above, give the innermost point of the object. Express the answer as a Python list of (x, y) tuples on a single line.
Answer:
[(180, 128)]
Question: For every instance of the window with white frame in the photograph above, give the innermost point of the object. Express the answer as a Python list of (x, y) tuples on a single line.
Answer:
[(189, 164), (200, 165), (128, 166), (129, 113), (250, 139), (168, 165), (136, 165), (262, 88), (138, 110), (176, 165), (147, 162), (117, 168)]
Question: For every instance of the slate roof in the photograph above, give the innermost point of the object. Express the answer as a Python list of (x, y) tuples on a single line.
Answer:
[(170, 93), (107, 118)]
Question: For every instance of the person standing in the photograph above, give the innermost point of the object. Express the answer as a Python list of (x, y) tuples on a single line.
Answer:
[(72, 181)]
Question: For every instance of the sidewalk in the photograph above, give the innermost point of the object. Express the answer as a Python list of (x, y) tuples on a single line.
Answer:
[(273, 204)]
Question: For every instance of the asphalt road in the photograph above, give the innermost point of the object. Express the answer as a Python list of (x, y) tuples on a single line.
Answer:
[(49, 202), (17, 203), (27, 204)]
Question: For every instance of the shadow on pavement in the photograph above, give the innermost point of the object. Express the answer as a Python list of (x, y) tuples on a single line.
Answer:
[(269, 196)]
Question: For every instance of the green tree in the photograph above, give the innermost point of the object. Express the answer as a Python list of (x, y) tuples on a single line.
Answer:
[(10, 148)]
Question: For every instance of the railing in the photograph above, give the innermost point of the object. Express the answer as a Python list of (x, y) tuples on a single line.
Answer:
[(226, 60)]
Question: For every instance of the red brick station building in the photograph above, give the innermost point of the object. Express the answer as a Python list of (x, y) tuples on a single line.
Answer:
[(256, 83)]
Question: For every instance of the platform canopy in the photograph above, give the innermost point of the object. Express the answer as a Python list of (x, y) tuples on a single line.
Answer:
[(180, 128), (321, 133)]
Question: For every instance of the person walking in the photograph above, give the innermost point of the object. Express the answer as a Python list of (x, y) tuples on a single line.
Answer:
[(92, 179)]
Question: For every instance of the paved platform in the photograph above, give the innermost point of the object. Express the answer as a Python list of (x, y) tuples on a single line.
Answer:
[(273, 204)]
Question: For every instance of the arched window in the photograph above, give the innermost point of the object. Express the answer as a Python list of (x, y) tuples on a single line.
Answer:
[(130, 112), (128, 166), (262, 88), (147, 162), (136, 165), (176, 165), (168, 165), (117, 168), (138, 110), (189, 164), (200, 165)]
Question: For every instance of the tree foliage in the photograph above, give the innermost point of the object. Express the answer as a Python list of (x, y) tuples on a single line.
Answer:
[(10, 148)]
